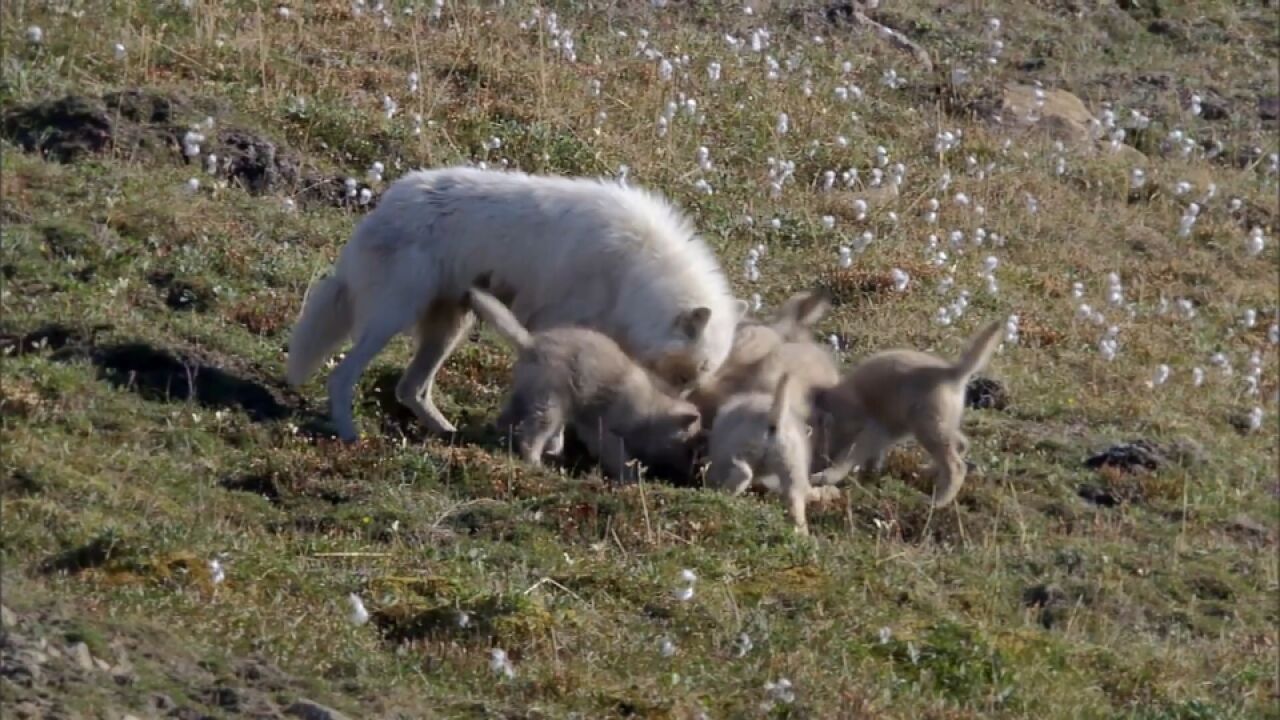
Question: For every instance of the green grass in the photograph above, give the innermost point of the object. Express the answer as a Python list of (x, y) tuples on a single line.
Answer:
[(1023, 600)]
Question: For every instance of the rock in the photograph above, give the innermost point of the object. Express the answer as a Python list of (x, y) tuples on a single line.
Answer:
[(28, 710), (226, 698), (256, 162), (1214, 110), (65, 130), (161, 702), (1062, 116), (1244, 524), (102, 665), (1097, 496), (80, 653), (308, 710), (1269, 107), (7, 618), (986, 394), (1135, 456), (142, 105)]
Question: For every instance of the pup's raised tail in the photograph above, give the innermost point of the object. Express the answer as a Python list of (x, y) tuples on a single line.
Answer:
[(781, 396), (491, 310), (325, 321), (975, 358)]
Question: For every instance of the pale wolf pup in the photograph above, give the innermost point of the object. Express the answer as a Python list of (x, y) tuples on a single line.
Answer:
[(763, 352), (762, 438), (580, 377), (561, 251), (896, 393)]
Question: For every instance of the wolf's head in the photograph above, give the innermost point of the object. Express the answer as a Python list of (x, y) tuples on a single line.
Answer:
[(698, 344)]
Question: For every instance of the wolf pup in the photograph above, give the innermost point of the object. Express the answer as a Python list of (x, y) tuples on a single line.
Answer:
[(560, 251), (580, 377), (761, 438), (763, 352), (896, 393)]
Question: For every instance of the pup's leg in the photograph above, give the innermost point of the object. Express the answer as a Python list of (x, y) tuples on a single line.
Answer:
[(556, 445), (438, 334), (796, 487), (615, 459), (374, 336), (869, 450), (545, 420), (949, 468), (512, 416)]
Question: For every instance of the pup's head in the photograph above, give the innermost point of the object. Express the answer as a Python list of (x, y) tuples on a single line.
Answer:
[(699, 343), (668, 442)]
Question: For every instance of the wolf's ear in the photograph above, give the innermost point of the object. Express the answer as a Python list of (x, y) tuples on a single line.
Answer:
[(691, 323)]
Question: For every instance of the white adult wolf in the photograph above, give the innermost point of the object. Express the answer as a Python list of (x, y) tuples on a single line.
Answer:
[(558, 251)]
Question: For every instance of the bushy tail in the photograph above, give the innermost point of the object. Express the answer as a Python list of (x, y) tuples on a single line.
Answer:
[(491, 310), (781, 396), (981, 348), (324, 323)]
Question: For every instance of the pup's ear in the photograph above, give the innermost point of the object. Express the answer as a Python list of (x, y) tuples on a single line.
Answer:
[(687, 420), (691, 323), (803, 309)]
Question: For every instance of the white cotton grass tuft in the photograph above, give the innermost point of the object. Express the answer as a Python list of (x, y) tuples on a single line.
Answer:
[(780, 691), (1160, 376), (845, 259), (35, 34), (742, 645), (1197, 376), (500, 664), (684, 585), (1256, 242), (783, 124), (666, 648), (900, 279), (193, 185), (1254, 419), (1011, 330), (216, 572), (358, 615)]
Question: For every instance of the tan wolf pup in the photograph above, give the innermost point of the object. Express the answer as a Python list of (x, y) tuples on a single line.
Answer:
[(896, 393), (581, 377)]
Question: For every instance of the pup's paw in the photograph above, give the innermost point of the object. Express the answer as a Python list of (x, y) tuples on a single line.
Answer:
[(823, 493)]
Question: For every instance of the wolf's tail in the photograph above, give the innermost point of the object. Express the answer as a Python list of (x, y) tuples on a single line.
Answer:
[(492, 311), (781, 396), (975, 358), (324, 323)]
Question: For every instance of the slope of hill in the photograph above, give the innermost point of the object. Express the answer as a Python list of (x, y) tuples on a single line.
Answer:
[(180, 536)]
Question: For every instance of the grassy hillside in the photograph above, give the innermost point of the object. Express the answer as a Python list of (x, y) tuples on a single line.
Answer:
[(148, 291)]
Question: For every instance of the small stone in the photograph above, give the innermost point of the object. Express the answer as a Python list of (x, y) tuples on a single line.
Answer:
[(1135, 456), (1097, 496), (1249, 526), (7, 617), (986, 394), (102, 665), (308, 710), (80, 653)]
